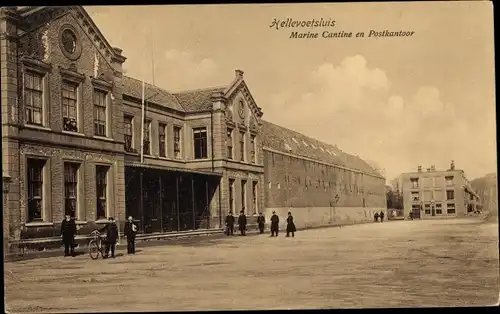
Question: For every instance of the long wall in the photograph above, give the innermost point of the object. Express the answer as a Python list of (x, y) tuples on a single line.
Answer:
[(318, 193)]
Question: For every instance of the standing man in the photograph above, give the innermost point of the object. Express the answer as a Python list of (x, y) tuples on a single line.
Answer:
[(290, 226), (275, 220), (68, 232), (381, 216), (130, 231), (242, 222), (261, 221), (111, 236), (375, 217), (229, 224)]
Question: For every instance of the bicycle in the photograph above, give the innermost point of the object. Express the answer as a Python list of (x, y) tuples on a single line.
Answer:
[(96, 245)]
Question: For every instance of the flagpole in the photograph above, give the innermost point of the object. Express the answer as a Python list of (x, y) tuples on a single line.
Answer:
[(142, 121)]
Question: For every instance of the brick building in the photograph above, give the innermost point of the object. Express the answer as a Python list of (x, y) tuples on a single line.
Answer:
[(437, 194), (318, 182), (71, 139)]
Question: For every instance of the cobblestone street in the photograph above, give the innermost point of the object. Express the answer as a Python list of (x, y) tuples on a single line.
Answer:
[(390, 264)]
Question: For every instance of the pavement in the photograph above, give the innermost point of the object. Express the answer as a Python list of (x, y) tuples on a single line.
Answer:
[(377, 265)]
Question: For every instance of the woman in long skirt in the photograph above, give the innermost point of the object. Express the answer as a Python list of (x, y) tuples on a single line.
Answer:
[(290, 226)]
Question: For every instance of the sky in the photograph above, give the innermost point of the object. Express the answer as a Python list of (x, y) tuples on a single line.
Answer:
[(396, 102)]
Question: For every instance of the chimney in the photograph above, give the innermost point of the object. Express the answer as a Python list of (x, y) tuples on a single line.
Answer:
[(452, 165), (433, 168), (239, 73), (419, 168)]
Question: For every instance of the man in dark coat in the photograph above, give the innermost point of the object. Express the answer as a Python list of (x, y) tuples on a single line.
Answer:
[(130, 231), (290, 226), (275, 220), (261, 221), (381, 215), (242, 222), (375, 217), (229, 224), (111, 236), (68, 232)]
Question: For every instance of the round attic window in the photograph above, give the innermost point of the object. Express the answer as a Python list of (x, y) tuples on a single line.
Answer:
[(69, 42)]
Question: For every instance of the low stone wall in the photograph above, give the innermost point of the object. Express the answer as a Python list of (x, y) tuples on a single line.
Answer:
[(310, 217)]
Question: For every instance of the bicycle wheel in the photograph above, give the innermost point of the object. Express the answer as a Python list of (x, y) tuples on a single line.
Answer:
[(94, 249)]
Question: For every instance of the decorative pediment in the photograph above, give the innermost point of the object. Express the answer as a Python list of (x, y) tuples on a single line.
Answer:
[(71, 72), (242, 89), (103, 81), (31, 19)]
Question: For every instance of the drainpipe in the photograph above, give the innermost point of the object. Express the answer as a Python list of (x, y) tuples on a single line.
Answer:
[(212, 135)]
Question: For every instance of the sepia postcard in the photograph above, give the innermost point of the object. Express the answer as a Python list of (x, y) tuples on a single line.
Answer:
[(249, 157)]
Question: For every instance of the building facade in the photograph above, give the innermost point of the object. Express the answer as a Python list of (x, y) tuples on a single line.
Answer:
[(438, 194), (71, 137)]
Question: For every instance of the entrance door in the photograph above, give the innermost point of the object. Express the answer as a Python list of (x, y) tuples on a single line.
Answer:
[(433, 210), (416, 212)]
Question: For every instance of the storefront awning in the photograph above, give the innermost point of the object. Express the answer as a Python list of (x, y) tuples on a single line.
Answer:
[(172, 169)]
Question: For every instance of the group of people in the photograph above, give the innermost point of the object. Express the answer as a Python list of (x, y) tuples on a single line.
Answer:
[(261, 220), (377, 216), (68, 233)]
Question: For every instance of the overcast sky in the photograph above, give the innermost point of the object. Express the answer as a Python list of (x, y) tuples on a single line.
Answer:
[(399, 102)]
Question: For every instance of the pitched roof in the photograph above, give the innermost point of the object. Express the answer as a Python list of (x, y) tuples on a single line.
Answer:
[(197, 100), (133, 87), (282, 139)]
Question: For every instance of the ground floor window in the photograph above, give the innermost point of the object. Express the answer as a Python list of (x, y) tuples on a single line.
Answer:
[(231, 195), (427, 209), (439, 209), (243, 195), (101, 189), (70, 188), (254, 197), (450, 208), (35, 189)]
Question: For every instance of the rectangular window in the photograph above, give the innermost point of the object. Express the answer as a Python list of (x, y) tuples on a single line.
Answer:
[(414, 183), (177, 142), (427, 209), (415, 197), (100, 106), (439, 209), (101, 190), (35, 189), (70, 188), (416, 208), (450, 208), (231, 195), (69, 106), (146, 142), (200, 143), (229, 140), (254, 198), (252, 149), (449, 180), (243, 195), (450, 195), (128, 133), (162, 148), (33, 98), (242, 146)]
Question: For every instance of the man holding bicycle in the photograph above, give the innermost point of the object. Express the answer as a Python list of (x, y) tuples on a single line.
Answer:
[(111, 236)]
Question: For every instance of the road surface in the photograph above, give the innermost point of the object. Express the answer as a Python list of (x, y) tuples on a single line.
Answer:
[(390, 264)]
